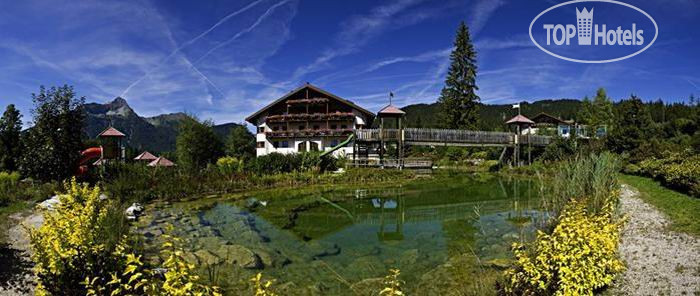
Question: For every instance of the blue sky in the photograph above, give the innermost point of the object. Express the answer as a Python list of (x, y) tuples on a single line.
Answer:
[(223, 60)]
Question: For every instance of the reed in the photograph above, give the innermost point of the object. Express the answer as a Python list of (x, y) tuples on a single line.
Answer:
[(589, 179)]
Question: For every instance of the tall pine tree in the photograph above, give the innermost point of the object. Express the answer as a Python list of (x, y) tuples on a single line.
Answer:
[(458, 100), (10, 129)]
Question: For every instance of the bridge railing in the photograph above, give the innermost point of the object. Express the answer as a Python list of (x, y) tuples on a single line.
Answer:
[(535, 140), (456, 136), (433, 135)]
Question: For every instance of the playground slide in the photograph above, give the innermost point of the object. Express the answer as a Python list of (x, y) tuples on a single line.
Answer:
[(341, 145), (86, 156)]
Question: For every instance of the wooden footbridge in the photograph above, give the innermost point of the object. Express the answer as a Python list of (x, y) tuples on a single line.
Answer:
[(375, 140)]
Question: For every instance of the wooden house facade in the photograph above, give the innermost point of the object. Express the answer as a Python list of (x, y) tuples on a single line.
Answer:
[(308, 119)]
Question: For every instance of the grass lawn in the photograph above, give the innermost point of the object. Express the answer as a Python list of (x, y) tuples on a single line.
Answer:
[(683, 210)]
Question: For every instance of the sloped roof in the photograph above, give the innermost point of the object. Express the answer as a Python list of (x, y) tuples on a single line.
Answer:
[(146, 156), (520, 119), (547, 118), (391, 110), (311, 87), (111, 132), (161, 162)]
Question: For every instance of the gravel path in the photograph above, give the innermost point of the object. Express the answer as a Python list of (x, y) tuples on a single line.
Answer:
[(16, 278), (659, 261)]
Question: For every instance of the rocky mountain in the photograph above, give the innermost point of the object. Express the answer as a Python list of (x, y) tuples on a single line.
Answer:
[(155, 134)]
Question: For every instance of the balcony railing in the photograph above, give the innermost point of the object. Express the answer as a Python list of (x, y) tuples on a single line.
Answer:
[(309, 133), (310, 117)]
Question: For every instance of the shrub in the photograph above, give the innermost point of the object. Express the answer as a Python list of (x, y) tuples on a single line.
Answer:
[(579, 256), (8, 187), (230, 165), (680, 171), (75, 241), (392, 284)]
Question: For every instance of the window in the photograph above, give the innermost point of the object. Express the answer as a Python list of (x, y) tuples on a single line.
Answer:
[(275, 128), (301, 128), (284, 144), (261, 129), (333, 143), (343, 126), (333, 126), (316, 127), (261, 145), (275, 144)]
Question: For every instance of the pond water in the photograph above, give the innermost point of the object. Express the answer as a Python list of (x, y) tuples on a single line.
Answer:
[(443, 233)]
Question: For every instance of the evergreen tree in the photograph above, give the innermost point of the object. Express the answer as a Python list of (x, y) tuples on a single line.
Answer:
[(10, 129), (632, 127), (240, 143), (598, 111), (458, 100), (197, 144), (52, 146)]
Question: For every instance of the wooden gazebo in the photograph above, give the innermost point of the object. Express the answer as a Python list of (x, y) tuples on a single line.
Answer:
[(520, 121), (391, 112)]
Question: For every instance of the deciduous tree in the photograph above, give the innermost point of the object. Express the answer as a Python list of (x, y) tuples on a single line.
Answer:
[(197, 144), (52, 145)]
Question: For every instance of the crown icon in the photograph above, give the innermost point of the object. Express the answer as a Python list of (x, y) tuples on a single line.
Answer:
[(584, 24)]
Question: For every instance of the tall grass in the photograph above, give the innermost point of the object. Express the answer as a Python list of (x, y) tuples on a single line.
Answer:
[(589, 179)]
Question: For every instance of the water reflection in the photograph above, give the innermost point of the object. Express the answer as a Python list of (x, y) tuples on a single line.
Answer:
[(342, 237)]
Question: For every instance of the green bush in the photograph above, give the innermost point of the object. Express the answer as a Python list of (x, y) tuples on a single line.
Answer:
[(8, 187), (578, 258), (680, 171)]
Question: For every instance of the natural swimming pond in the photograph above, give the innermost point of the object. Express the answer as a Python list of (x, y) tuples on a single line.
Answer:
[(448, 233)]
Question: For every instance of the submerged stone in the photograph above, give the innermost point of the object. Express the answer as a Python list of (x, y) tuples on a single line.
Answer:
[(240, 256)]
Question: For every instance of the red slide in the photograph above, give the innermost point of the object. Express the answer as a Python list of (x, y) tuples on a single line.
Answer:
[(86, 156)]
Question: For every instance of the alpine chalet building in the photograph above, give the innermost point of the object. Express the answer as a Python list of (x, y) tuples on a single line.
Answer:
[(308, 119)]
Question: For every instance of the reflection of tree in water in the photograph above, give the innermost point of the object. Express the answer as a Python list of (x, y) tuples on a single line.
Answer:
[(14, 267)]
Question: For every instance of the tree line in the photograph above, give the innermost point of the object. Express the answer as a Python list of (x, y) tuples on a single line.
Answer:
[(50, 148)]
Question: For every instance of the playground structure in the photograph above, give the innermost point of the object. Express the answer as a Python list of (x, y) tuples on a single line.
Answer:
[(111, 148)]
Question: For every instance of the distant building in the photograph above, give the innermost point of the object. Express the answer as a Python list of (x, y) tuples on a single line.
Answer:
[(145, 156), (546, 124), (308, 119)]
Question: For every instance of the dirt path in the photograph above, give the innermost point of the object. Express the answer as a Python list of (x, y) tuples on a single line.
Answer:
[(16, 276), (659, 261)]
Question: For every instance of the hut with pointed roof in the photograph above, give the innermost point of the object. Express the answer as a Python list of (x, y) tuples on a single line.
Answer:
[(145, 156), (161, 162)]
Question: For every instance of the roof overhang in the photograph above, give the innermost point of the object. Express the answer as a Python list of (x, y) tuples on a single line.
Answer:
[(255, 115)]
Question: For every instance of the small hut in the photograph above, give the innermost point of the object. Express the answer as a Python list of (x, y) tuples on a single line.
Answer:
[(161, 162), (391, 112), (145, 157), (520, 122), (111, 140)]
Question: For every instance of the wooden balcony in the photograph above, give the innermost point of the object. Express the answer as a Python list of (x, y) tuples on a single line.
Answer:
[(309, 133), (334, 116)]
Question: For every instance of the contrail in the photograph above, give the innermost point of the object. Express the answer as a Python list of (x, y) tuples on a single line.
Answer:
[(188, 43), (239, 34)]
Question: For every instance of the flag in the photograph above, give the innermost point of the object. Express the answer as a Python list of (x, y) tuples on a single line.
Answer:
[(516, 106)]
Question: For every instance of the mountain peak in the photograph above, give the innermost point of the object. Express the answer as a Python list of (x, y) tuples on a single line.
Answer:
[(119, 102)]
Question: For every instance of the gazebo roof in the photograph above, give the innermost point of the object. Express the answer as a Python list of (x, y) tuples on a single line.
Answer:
[(146, 156), (519, 119), (391, 110), (111, 132), (161, 162)]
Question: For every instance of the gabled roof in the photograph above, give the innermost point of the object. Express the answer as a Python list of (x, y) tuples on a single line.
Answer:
[(520, 119), (161, 162), (547, 118), (311, 87), (111, 132), (391, 110), (146, 156)]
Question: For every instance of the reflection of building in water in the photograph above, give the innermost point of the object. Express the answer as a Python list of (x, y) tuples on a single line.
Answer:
[(392, 212)]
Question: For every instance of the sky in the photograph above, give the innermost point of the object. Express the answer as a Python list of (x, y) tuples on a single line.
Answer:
[(223, 60)]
